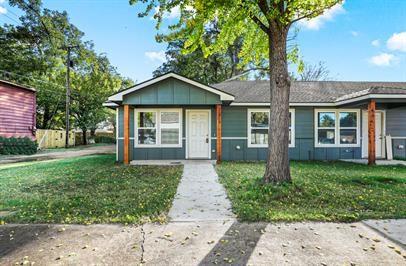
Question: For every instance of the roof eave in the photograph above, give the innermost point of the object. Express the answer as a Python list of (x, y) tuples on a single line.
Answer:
[(372, 96), (17, 85)]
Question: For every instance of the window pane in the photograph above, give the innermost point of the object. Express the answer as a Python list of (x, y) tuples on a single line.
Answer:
[(259, 119), (326, 136), (259, 136), (146, 119), (327, 119), (170, 136), (290, 119), (146, 136), (348, 136), (290, 136), (169, 117), (348, 119)]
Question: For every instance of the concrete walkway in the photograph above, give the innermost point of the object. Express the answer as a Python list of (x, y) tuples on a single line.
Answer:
[(198, 243), (200, 197), (393, 229), (59, 154)]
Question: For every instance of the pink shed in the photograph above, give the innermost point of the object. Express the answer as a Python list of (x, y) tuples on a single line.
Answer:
[(17, 110)]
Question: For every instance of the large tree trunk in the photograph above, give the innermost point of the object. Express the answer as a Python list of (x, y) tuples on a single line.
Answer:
[(277, 167), (84, 136), (45, 118)]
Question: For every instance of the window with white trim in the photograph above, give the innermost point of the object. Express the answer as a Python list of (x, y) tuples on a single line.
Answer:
[(170, 128), (258, 125), (158, 128), (337, 128)]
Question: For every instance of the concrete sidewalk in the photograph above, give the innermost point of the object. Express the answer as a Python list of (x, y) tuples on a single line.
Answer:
[(50, 155), (198, 243), (200, 196), (392, 229)]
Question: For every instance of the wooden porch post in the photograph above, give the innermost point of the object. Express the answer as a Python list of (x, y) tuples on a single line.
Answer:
[(371, 132), (218, 127), (126, 133)]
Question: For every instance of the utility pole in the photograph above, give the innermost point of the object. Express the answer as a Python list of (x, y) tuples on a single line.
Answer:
[(67, 106)]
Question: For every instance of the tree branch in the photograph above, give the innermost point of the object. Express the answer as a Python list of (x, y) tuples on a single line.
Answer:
[(263, 6), (315, 12), (260, 24), (256, 19)]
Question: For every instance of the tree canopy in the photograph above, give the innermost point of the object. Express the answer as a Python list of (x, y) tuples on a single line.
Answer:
[(233, 19), (263, 25), (33, 53)]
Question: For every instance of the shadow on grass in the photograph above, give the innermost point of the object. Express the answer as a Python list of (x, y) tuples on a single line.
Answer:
[(236, 246), (14, 237)]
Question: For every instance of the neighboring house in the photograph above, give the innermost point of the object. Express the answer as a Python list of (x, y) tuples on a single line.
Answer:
[(173, 117), (17, 110)]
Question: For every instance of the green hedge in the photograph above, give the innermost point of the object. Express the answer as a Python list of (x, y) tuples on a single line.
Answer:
[(104, 139), (17, 146)]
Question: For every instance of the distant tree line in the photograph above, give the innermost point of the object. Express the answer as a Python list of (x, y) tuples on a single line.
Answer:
[(222, 66), (33, 52)]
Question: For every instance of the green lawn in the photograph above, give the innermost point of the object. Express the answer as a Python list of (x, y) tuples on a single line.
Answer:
[(87, 190), (321, 191)]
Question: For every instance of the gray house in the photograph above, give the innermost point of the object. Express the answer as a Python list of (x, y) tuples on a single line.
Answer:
[(173, 117)]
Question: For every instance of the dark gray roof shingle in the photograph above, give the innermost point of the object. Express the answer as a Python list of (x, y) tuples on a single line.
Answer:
[(309, 91)]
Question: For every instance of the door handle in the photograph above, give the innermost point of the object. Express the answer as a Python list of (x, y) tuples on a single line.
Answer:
[(207, 140)]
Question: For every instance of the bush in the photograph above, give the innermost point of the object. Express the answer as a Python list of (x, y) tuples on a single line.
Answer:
[(104, 139), (17, 146)]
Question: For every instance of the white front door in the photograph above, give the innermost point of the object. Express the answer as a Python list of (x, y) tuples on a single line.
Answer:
[(198, 141), (379, 134)]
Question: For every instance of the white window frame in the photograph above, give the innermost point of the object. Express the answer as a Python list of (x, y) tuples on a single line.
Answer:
[(157, 127), (336, 128), (292, 128)]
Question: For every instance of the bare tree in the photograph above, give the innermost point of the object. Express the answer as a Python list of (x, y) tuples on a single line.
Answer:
[(314, 72)]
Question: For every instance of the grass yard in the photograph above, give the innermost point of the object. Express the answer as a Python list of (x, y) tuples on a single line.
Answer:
[(321, 191), (86, 190)]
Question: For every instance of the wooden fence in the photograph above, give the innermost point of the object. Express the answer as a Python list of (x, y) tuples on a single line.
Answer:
[(47, 138)]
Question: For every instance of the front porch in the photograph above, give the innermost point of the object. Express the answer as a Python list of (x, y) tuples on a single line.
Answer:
[(191, 133), (380, 138)]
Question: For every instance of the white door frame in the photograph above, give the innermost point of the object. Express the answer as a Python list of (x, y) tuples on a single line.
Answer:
[(365, 134), (187, 130)]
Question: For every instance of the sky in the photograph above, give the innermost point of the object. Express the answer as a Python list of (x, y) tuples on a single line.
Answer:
[(360, 40)]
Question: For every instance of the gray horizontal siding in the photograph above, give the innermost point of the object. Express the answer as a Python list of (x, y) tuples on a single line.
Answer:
[(396, 122), (399, 148), (396, 127)]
